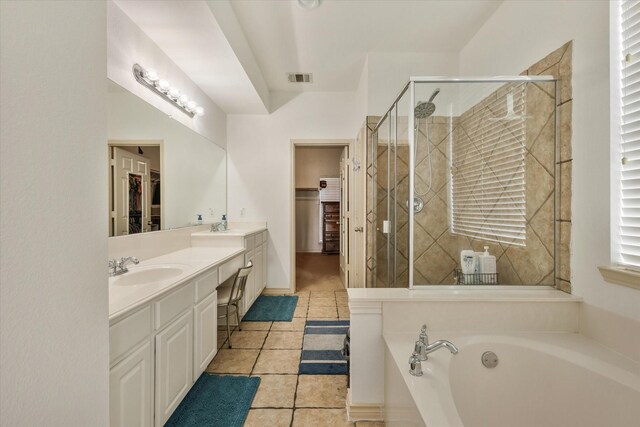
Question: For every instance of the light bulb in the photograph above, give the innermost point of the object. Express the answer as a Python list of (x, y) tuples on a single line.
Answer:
[(184, 100), (191, 105), (163, 85), (174, 92), (199, 111), (151, 75)]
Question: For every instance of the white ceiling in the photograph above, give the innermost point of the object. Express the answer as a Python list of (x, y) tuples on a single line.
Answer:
[(332, 40), (239, 51)]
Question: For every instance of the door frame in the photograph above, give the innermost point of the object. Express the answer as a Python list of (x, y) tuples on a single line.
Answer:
[(138, 143), (350, 144)]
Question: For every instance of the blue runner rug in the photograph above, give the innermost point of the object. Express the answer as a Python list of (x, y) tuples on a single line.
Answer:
[(216, 400), (272, 309), (322, 348)]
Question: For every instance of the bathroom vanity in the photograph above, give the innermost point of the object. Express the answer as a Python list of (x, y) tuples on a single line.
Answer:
[(163, 320)]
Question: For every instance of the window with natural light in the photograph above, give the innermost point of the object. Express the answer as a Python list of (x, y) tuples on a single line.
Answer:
[(629, 203)]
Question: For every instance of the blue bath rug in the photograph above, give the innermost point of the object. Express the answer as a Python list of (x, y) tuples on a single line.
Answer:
[(322, 348), (216, 400), (272, 309)]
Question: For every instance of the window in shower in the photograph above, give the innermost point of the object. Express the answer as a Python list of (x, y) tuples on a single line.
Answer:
[(488, 169)]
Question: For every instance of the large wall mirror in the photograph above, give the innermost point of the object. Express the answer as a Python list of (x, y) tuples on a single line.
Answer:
[(162, 175)]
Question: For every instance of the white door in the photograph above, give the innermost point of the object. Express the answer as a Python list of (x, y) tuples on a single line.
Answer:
[(131, 388), (132, 196), (174, 366), (345, 218), (204, 328)]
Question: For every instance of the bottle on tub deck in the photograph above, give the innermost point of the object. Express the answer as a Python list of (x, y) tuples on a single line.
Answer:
[(224, 222), (468, 264), (487, 266)]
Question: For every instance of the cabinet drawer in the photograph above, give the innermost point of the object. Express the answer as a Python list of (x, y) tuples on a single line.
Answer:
[(230, 268), (127, 333), (173, 304), (250, 242), (206, 284)]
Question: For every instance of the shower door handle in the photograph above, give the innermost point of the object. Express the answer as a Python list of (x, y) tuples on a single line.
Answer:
[(358, 229)]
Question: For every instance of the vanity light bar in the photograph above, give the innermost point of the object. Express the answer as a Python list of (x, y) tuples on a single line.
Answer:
[(150, 79)]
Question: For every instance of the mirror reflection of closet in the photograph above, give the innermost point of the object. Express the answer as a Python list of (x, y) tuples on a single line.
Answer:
[(135, 190)]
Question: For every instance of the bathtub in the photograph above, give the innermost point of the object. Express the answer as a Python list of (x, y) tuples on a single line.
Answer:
[(546, 379)]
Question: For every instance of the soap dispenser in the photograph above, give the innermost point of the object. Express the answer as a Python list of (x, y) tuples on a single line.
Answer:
[(487, 263), (199, 220), (224, 222)]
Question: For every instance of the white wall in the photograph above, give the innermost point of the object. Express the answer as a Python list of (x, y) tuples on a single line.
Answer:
[(194, 171), (389, 72), (311, 164), (127, 45), (260, 159), (517, 35), (54, 341)]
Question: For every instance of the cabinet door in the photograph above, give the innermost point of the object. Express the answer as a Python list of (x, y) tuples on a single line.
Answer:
[(205, 321), (259, 270), (131, 388), (264, 264), (250, 288), (174, 366)]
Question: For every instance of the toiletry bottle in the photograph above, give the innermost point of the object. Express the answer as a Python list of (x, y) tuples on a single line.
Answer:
[(487, 264), (199, 219), (224, 222), (468, 261)]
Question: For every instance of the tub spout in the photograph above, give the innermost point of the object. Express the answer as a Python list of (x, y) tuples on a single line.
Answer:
[(441, 343)]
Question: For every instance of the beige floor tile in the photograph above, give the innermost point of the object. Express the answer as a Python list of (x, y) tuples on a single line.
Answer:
[(342, 298), (276, 391), (283, 340), (302, 302), (222, 338), (297, 324), (369, 424), (277, 362), (326, 312), (342, 312), (233, 361), (248, 339), (322, 294), (320, 418), (302, 294), (321, 391), (255, 326), (322, 302), (268, 417), (301, 311)]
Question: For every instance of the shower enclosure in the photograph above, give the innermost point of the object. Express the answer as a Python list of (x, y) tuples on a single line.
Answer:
[(464, 164)]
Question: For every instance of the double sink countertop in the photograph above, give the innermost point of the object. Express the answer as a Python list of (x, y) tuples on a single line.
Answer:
[(158, 275)]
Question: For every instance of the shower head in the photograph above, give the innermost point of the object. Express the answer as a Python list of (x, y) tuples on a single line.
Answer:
[(426, 109)]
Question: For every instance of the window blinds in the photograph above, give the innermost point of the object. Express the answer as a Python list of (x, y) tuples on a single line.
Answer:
[(487, 169), (630, 136)]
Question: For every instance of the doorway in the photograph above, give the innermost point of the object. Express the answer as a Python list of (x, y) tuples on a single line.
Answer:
[(135, 187), (321, 182)]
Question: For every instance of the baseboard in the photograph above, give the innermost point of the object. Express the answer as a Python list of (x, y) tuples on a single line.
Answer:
[(276, 291), (364, 411)]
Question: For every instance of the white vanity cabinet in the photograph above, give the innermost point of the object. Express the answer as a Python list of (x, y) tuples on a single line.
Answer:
[(257, 280), (159, 349)]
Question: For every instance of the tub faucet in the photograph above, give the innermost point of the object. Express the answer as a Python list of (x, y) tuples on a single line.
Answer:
[(423, 347), (117, 268)]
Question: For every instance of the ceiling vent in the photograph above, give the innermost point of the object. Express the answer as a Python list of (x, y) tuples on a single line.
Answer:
[(300, 77)]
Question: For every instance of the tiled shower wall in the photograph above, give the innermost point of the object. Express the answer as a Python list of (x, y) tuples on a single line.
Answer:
[(436, 249)]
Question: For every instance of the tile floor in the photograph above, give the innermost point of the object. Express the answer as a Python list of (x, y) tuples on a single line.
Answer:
[(271, 350)]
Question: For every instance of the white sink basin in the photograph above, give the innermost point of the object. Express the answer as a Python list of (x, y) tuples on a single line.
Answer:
[(149, 275)]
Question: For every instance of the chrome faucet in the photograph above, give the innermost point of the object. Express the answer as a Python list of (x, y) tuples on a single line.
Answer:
[(117, 268), (423, 347), (415, 365), (218, 226)]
